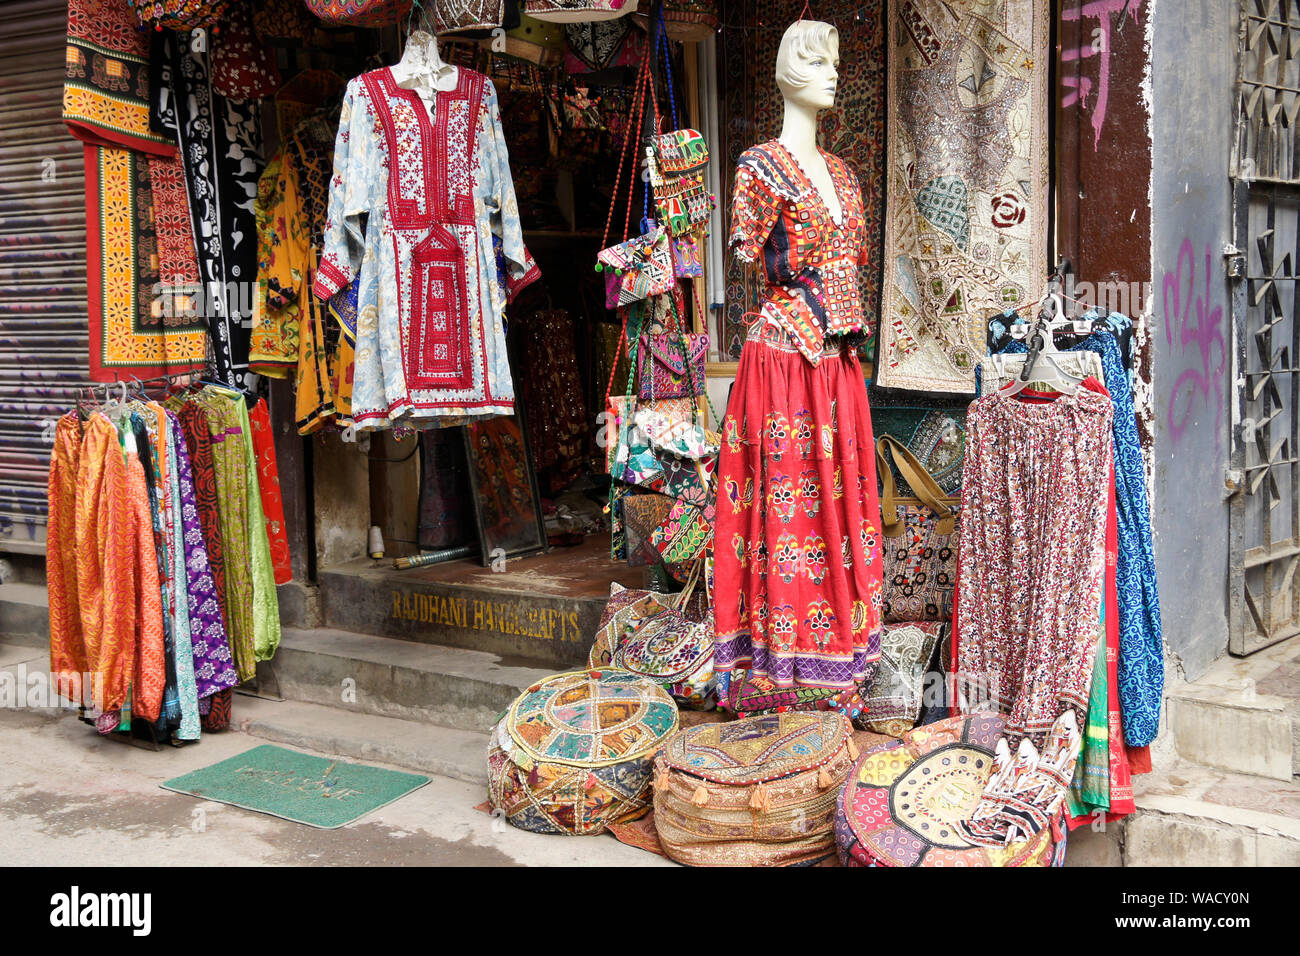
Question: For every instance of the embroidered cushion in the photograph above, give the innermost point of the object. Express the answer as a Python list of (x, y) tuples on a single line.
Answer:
[(578, 11), (754, 792), (574, 752), (904, 798)]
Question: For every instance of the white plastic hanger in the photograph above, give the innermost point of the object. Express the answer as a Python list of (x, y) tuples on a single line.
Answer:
[(1043, 363)]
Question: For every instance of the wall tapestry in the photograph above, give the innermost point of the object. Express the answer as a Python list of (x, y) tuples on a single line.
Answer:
[(966, 217)]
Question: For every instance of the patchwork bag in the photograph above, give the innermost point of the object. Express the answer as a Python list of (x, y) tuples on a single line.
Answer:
[(685, 533), (904, 799), (677, 163), (644, 512), (895, 694), (753, 792), (359, 13), (574, 752), (638, 268), (673, 650), (671, 364), (919, 540), (746, 694), (626, 609)]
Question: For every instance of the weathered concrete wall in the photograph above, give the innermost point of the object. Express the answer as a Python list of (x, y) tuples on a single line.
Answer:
[(1194, 45), (342, 499)]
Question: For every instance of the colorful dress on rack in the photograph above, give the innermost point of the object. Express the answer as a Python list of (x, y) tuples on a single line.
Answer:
[(1141, 637), (1034, 514), (798, 545), (434, 190)]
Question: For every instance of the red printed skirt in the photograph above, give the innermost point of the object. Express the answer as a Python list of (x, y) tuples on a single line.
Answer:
[(797, 547)]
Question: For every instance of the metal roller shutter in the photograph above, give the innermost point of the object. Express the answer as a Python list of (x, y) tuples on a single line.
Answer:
[(43, 328)]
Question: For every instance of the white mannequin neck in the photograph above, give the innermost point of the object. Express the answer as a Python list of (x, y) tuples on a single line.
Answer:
[(799, 136)]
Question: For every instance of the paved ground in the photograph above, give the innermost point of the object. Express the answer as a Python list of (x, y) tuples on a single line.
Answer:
[(69, 797)]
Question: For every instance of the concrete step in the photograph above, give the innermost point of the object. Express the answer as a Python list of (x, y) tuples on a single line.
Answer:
[(1191, 815), (426, 683), (24, 614), (427, 748), (1243, 715)]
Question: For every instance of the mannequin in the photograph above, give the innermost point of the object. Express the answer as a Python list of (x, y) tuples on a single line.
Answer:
[(422, 68), (807, 72), (797, 561)]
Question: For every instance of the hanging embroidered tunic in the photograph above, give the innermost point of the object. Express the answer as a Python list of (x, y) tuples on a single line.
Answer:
[(433, 192)]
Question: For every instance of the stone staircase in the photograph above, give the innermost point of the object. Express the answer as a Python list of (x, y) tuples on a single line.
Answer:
[(1226, 786)]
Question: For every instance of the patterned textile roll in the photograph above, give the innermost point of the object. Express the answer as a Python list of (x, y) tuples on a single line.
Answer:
[(904, 799), (574, 752), (754, 792)]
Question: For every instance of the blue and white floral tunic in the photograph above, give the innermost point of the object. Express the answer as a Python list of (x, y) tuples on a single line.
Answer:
[(420, 195)]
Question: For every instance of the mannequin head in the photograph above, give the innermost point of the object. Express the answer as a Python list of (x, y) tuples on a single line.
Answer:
[(807, 64)]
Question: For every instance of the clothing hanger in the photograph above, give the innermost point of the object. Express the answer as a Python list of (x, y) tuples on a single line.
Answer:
[(1043, 365)]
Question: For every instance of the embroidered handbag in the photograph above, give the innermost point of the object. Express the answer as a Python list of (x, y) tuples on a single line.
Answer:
[(754, 792), (574, 752), (620, 411), (936, 436), (359, 13), (903, 801), (746, 694), (685, 533), (456, 16), (895, 694), (920, 540), (623, 614), (677, 163), (671, 364), (643, 514), (637, 269), (578, 11), (673, 650)]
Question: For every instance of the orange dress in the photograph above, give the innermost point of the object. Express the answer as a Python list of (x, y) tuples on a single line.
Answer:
[(105, 548), (67, 646), (150, 676)]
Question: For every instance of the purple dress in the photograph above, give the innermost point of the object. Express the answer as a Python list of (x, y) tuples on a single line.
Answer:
[(214, 667)]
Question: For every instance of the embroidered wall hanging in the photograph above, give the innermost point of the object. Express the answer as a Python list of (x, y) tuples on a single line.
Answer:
[(967, 204)]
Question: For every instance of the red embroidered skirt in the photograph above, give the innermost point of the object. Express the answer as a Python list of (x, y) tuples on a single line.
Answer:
[(797, 574)]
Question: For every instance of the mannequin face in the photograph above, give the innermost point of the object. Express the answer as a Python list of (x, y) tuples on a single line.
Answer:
[(807, 64)]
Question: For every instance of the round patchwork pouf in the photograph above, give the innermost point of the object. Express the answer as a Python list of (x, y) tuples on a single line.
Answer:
[(759, 791), (574, 752), (904, 798)]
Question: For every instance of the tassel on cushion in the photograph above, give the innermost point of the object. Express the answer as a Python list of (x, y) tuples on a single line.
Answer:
[(824, 778), (760, 800), (853, 750), (590, 782), (701, 797)]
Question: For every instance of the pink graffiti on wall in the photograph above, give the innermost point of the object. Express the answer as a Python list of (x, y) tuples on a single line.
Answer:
[(1097, 45), (1193, 320)]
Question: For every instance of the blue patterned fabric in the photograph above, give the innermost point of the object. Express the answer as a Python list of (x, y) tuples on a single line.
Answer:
[(1141, 642)]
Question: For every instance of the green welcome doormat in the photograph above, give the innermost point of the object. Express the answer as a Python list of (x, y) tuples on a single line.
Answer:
[(316, 791)]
